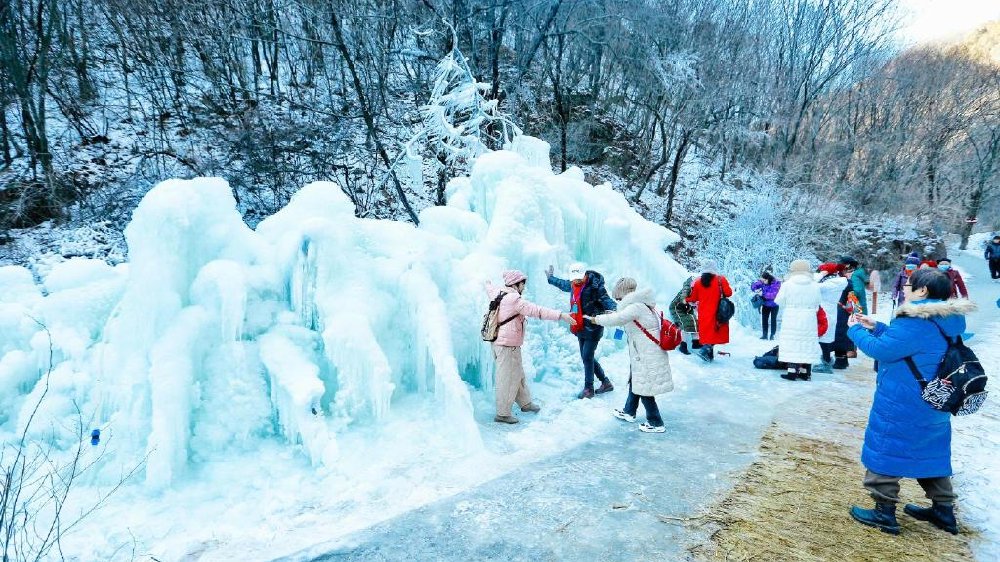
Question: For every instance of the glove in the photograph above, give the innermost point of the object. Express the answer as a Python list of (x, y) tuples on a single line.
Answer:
[(549, 271)]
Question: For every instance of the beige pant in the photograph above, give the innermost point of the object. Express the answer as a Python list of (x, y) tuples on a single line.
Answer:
[(510, 384)]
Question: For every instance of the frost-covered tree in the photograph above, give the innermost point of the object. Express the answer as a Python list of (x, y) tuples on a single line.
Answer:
[(458, 122), (762, 237)]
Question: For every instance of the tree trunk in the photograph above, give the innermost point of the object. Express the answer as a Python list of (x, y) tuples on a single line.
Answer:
[(975, 202), (367, 115)]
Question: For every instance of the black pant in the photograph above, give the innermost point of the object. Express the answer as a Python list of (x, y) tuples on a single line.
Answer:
[(995, 268), (827, 350), (765, 313), (590, 365), (648, 402)]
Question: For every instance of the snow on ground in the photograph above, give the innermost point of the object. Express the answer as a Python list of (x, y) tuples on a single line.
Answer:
[(977, 437)]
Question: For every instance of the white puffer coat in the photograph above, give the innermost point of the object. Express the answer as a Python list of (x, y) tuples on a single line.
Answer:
[(799, 299), (650, 364), (830, 290)]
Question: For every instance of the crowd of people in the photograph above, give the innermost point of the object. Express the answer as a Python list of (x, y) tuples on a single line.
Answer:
[(824, 321)]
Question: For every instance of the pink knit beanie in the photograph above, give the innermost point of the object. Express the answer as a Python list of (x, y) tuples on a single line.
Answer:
[(512, 277)]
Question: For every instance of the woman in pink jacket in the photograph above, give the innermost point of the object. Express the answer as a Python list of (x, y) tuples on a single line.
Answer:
[(510, 383)]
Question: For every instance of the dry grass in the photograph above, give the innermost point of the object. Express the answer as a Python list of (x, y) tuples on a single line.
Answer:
[(792, 505)]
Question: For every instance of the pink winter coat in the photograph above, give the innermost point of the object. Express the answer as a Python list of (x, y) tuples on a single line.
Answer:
[(511, 334)]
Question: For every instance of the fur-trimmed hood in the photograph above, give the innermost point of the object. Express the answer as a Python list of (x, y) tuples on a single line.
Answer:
[(928, 309), (641, 296), (949, 315)]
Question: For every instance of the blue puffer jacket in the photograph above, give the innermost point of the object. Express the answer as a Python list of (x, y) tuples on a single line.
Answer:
[(905, 436)]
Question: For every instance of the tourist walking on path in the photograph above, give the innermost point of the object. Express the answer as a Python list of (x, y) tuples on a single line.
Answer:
[(798, 340), (858, 279), (682, 315), (587, 297), (831, 287), (911, 264), (511, 385), (905, 436), (957, 283), (649, 366), (767, 287), (707, 291), (992, 256)]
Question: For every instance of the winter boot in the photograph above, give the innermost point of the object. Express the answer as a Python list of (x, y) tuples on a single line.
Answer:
[(695, 344), (530, 407), (505, 419), (883, 517), (805, 373), (705, 353), (683, 348), (606, 386), (791, 375), (586, 393), (940, 515), (840, 363)]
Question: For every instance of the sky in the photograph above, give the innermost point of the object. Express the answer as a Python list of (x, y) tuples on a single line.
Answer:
[(931, 20)]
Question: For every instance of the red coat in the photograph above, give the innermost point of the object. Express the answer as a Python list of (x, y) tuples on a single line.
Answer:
[(709, 332)]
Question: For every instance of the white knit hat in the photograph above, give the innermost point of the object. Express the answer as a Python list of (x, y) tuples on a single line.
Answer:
[(576, 271)]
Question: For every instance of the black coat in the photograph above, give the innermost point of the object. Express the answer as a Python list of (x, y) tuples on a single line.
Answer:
[(841, 342), (594, 300)]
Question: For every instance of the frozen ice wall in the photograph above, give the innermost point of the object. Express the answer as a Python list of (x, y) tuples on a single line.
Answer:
[(215, 336)]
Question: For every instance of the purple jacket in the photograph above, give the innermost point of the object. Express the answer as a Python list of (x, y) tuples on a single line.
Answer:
[(768, 290)]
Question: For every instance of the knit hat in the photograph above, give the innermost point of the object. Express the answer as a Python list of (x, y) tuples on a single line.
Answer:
[(913, 259), (576, 271), (624, 286), (709, 266), (831, 268), (799, 267), (512, 277)]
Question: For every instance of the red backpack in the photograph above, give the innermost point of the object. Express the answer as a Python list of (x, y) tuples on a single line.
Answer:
[(670, 335)]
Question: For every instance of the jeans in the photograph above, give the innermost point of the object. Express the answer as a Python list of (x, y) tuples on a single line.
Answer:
[(768, 313), (995, 268), (590, 365), (648, 402), (886, 488), (827, 351)]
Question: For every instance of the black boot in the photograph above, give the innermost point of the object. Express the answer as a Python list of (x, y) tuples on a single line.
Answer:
[(805, 373), (695, 344), (883, 517), (791, 375), (940, 515), (683, 348), (840, 363)]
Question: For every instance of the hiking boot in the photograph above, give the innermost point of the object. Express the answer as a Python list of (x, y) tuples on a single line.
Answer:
[(620, 414), (586, 393), (940, 515), (646, 428), (840, 363), (530, 407), (683, 348), (606, 386), (883, 517), (504, 419)]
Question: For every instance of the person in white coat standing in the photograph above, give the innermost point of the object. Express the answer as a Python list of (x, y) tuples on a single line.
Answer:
[(649, 366), (831, 286), (798, 340)]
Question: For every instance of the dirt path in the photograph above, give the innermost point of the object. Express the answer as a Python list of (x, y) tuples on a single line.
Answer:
[(792, 503)]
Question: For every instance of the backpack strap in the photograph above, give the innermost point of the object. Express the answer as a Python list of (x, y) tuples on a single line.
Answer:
[(644, 330), (502, 295), (915, 371), (913, 366)]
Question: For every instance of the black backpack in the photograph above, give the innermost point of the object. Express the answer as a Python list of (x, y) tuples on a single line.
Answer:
[(726, 308), (959, 387)]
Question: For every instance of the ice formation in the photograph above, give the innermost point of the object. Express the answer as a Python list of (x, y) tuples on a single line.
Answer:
[(215, 336)]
